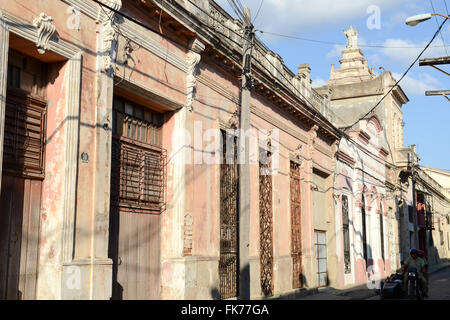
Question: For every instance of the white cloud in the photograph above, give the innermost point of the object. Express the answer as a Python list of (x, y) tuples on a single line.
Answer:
[(318, 82), (336, 52), (403, 52), (417, 86), (299, 16)]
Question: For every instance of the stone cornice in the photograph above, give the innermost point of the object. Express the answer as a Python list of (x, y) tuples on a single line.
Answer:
[(383, 152), (345, 158), (432, 184), (148, 93), (361, 135), (400, 95)]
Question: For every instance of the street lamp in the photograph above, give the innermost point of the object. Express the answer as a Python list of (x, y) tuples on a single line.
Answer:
[(415, 20)]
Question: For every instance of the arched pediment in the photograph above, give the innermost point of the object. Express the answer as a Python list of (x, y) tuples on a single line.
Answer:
[(375, 121)]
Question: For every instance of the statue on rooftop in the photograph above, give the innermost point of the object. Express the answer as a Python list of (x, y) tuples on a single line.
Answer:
[(352, 38)]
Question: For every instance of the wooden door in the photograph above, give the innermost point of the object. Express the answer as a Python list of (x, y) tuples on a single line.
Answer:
[(137, 190), (20, 198)]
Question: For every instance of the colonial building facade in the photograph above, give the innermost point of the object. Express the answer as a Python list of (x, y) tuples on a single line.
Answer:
[(120, 157), (114, 180)]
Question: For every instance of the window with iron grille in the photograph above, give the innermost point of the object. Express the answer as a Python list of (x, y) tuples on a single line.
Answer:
[(296, 225), (265, 224), (229, 218), (410, 214), (363, 226), (138, 161), (346, 234)]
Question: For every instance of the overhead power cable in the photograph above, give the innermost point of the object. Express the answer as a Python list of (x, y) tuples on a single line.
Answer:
[(257, 12), (404, 74), (342, 44), (236, 9), (437, 24)]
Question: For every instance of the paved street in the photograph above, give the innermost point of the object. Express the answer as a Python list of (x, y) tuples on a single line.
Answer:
[(439, 289)]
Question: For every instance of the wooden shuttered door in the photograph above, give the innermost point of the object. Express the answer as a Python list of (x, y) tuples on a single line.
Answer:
[(138, 173), (22, 175)]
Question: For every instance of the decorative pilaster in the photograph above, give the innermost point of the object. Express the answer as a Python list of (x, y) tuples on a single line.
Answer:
[(233, 121), (312, 133), (46, 29), (298, 154), (108, 18), (72, 113), (193, 59)]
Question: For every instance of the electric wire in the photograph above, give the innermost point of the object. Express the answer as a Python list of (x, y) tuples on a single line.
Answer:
[(341, 44), (234, 7), (306, 39), (259, 9), (437, 24)]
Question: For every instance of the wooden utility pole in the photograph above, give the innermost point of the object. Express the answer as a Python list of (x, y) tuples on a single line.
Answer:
[(244, 164), (432, 62)]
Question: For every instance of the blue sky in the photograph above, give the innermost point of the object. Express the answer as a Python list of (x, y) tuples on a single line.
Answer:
[(427, 119)]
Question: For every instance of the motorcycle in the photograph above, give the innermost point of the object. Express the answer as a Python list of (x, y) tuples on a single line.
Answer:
[(414, 285), (391, 288)]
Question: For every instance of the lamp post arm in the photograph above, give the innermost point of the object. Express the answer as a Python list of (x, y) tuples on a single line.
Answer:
[(442, 15)]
